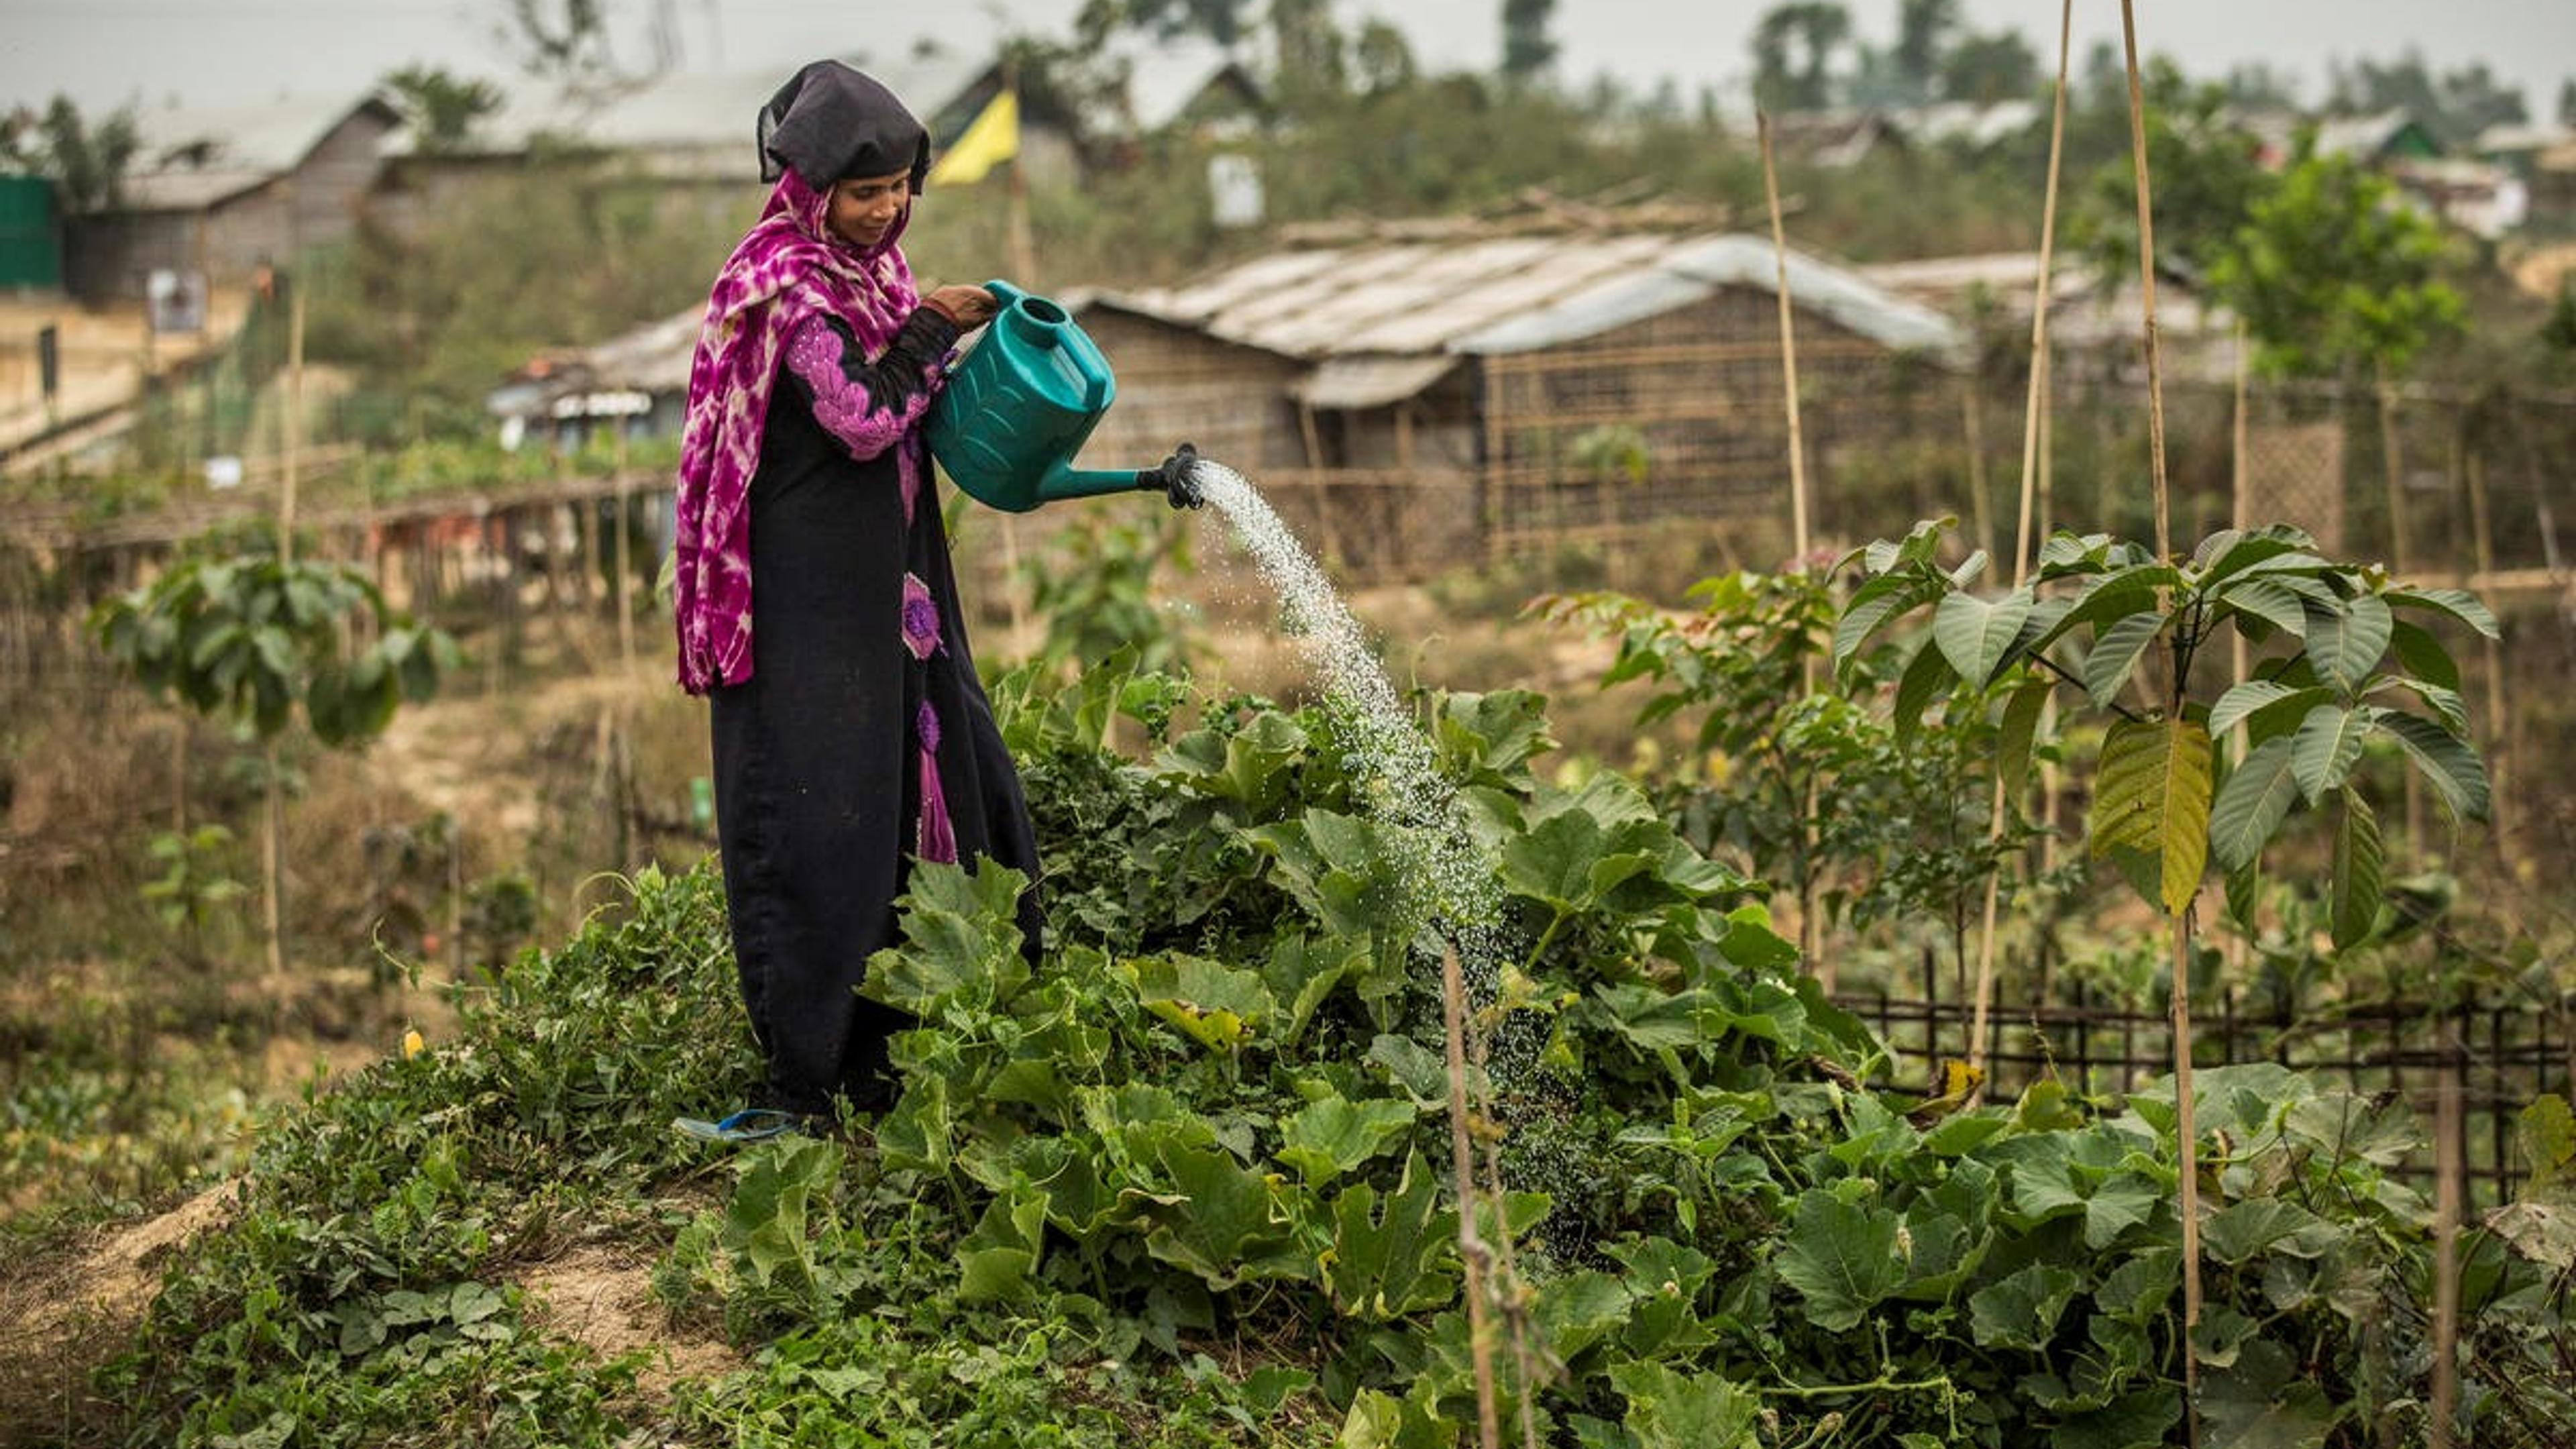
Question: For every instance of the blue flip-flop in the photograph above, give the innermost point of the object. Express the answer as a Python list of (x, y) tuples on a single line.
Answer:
[(756, 1124)]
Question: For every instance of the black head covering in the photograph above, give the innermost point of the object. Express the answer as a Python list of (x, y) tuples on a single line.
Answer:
[(831, 123)]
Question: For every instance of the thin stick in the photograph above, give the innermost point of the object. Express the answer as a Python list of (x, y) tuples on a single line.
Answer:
[(1810, 936), (2032, 410), (1462, 1162), (2499, 733), (2449, 1132), (2186, 1129), (2039, 357), (2147, 279), (1788, 348)]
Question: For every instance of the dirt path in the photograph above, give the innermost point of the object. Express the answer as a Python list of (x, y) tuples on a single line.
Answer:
[(62, 1315)]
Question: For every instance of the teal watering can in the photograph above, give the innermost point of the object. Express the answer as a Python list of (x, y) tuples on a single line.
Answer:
[(1019, 405)]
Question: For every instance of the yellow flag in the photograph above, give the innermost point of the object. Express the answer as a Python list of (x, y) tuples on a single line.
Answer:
[(993, 139)]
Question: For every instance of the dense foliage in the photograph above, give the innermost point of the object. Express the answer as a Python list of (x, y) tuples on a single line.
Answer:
[(1175, 1185)]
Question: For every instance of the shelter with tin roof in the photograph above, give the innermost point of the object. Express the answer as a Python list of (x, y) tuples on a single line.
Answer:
[(1419, 401), (225, 190)]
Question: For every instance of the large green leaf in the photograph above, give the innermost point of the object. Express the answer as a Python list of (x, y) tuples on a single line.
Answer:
[(1876, 602), (2252, 804), (2326, 747), (2267, 600), (2423, 654), (2022, 714), (2345, 644), (1668, 1409), (2240, 1230), (1927, 676), (2113, 596), (1975, 634), (2449, 765), (2252, 697), (1841, 1257), (1402, 1258), (2460, 604), (2153, 797), (1228, 1225), (2021, 1311), (1216, 1005), (2116, 651), (1332, 1135), (2358, 863)]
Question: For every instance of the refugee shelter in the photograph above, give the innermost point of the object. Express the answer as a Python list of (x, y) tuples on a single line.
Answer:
[(1426, 402)]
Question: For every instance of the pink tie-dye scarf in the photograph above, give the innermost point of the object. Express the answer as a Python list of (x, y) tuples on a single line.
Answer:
[(787, 268)]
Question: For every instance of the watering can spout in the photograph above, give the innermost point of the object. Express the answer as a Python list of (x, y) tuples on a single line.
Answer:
[(1018, 408)]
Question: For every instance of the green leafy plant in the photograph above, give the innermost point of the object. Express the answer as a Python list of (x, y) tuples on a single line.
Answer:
[(193, 883), (2348, 660), (258, 640)]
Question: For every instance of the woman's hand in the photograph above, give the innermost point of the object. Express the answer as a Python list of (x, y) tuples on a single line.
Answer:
[(966, 306)]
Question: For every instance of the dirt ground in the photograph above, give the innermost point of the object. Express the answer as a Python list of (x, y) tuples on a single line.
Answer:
[(64, 1313)]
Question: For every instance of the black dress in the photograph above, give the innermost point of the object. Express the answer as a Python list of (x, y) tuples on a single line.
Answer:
[(819, 755)]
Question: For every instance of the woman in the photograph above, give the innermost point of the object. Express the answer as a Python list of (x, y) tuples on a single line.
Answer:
[(816, 607)]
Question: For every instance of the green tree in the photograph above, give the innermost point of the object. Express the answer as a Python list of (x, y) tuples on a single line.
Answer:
[(2331, 270), (86, 162), (1988, 68), (1310, 48), (1382, 59), (1923, 29), (2207, 175), (257, 641), (442, 106), (2261, 86), (2454, 107), (558, 37), (2567, 102), (1527, 47), (1815, 30), (1219, 20)]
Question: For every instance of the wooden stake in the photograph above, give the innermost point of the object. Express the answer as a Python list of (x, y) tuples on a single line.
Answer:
[(294, 421), (1788, 352), (2450, 1172), (1472, 1258), (2033, 411), (2186, 1130), (2499, 735), (1810, 936), (2147, 280)]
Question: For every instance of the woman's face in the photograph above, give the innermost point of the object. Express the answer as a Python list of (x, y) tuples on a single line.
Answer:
[(864, 209)]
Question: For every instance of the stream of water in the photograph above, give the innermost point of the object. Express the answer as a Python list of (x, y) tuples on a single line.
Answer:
[(1380, 741)]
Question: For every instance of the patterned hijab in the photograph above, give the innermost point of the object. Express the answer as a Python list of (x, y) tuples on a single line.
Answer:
[(827, 124)]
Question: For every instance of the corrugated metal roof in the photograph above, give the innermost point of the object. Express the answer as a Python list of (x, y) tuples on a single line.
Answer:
[(1514, 294), (691, 109), (264, 139), (187, 190), (1369, 382)]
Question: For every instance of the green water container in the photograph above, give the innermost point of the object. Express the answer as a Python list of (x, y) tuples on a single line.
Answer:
[(1020, 404), (31, 237)]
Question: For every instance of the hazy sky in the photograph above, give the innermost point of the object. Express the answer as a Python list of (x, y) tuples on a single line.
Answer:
[(105, 53)]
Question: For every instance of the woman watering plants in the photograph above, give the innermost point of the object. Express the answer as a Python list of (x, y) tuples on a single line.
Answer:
[(816, 607)]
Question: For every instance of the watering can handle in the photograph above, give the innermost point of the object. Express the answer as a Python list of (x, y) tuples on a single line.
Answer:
[(1004, 294)]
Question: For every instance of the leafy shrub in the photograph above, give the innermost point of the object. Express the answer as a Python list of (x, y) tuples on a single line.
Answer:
[(1176, 1185)]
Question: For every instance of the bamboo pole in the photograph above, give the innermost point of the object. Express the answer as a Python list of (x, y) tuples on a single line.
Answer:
[(2499, 734), (2450, 1172), (2034, 408), (2186, 1127), (1810, 935), (1472, 1256), (1788, 348), (273, 817)]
